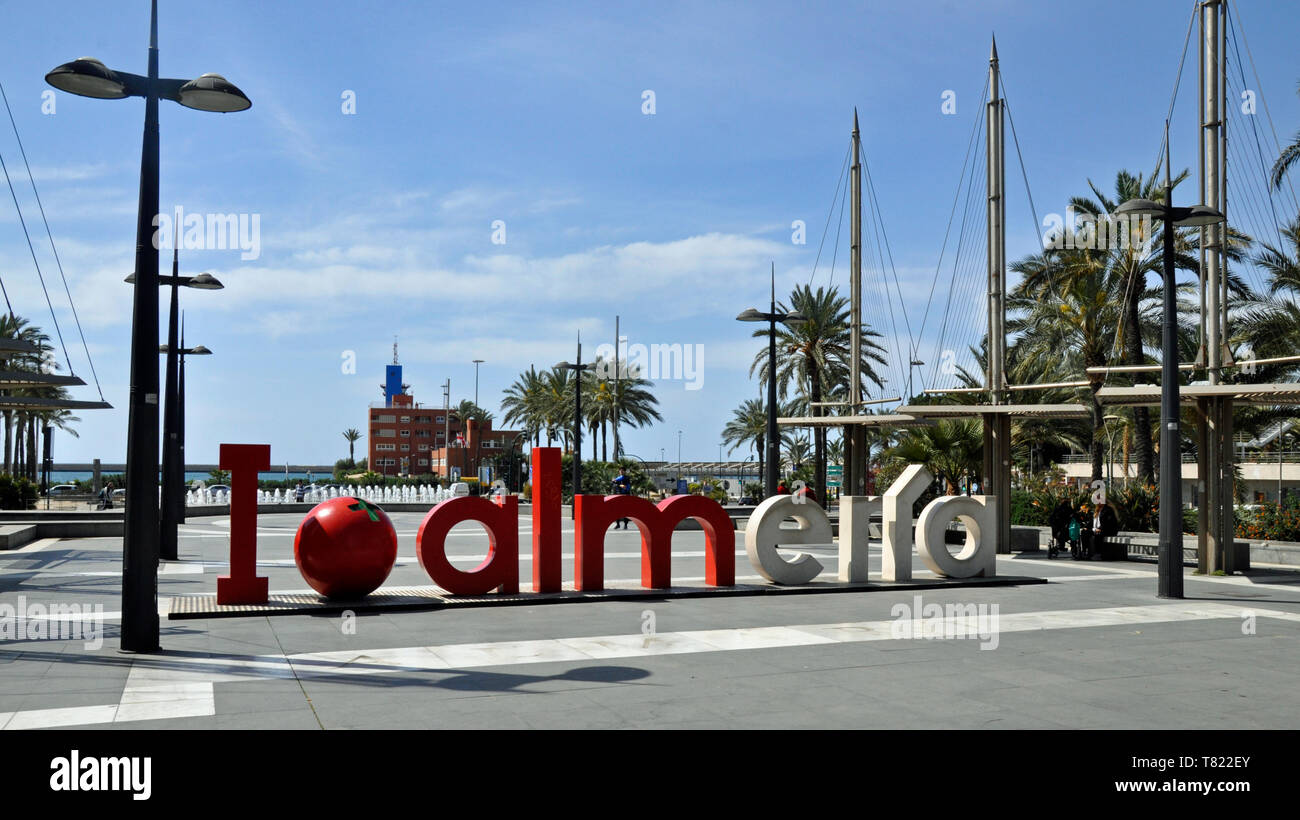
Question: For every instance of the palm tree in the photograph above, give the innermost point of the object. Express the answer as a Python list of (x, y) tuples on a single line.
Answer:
[(815, 355), (469, 410), (352, 434), (1289, 156), (19, 329), (557, 404), (951, 450), (525, 404)]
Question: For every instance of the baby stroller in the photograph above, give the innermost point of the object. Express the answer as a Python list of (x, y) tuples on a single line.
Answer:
[(1076, 538)]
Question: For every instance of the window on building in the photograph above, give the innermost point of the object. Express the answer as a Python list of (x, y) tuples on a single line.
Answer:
[(441, 419), (385, 446), (386, 433), (406, 448), (424, 448), (387, 419), (424, 462), (405, 419), (421, 433)]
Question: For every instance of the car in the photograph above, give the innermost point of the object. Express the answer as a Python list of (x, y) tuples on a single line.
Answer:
[(459, 488), (218, 488), (119, 495), (63, 490)]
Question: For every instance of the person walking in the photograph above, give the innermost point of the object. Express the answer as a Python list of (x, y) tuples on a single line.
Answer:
[(299, 493)]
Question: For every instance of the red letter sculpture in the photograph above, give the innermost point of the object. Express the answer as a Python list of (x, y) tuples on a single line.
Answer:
[(594, 514), (243, 585), (499, 570), (546, 519)]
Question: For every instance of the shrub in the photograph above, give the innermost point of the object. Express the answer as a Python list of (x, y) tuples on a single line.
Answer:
[(16, 493)]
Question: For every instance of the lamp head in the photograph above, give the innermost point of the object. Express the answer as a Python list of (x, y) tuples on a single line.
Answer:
[(212, 92), (1201, 215), (205, 281), (750, 315), (199, 350), (1140, 207), (87, 77)]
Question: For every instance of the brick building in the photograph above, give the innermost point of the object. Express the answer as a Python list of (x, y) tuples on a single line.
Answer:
[(408, 438)]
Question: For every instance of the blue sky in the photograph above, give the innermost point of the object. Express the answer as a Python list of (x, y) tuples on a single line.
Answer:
[(380, 223)]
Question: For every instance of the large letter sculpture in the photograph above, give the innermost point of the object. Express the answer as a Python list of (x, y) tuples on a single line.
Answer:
[(243, 585), (546, 519), (855, 535), (896, 553), (763, 534), (594, 514), (977, 557), (500, 570)]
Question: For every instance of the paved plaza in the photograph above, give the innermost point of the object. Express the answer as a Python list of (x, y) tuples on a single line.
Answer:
[(1092, 648)]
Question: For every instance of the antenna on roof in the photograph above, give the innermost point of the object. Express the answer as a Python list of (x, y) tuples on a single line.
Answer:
[(394, 350)]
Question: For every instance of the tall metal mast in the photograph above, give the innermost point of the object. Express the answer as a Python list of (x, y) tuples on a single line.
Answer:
[(1214, 416), (997, 426), (855, 478)]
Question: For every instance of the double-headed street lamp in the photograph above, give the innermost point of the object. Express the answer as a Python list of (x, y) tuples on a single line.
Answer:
[(88, 77), (173, 464), (1171, 462), (772, 317), (577, 369), (174, 452)]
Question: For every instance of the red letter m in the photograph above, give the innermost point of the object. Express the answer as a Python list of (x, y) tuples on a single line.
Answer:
[(594, 514)]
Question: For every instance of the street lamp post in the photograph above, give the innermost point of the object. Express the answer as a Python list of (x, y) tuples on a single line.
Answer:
[(1171, 463), (771, 317), (177, 445), (477, 457), (173, 464), (88, 77), (577, 369)]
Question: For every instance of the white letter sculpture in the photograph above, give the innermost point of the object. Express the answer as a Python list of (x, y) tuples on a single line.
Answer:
[(855, 535), (979, 514), (763, 534), (896, 553)]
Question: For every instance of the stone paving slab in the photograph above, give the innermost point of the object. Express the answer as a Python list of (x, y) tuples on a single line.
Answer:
[(185, 607)]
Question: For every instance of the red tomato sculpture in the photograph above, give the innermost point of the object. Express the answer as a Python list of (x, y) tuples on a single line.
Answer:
[(345, 548)]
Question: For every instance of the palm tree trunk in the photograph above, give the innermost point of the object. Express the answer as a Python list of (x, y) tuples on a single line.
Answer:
[(604, 445), (9, 441), (31, 448), (21, 426), (1095, 443)]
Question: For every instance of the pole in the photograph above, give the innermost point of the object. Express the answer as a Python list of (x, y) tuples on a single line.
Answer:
[(180, 437), (855, 468), (618, 386), (477, 458), (140, 543), (773, 450), (577, 423), (1171, 467), (167, 546)]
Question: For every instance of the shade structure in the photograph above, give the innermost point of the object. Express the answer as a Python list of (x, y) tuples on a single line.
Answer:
[(37, 403), (1064, 411), (881, 420), (1149, 395), (19, 378), (19, 346)]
